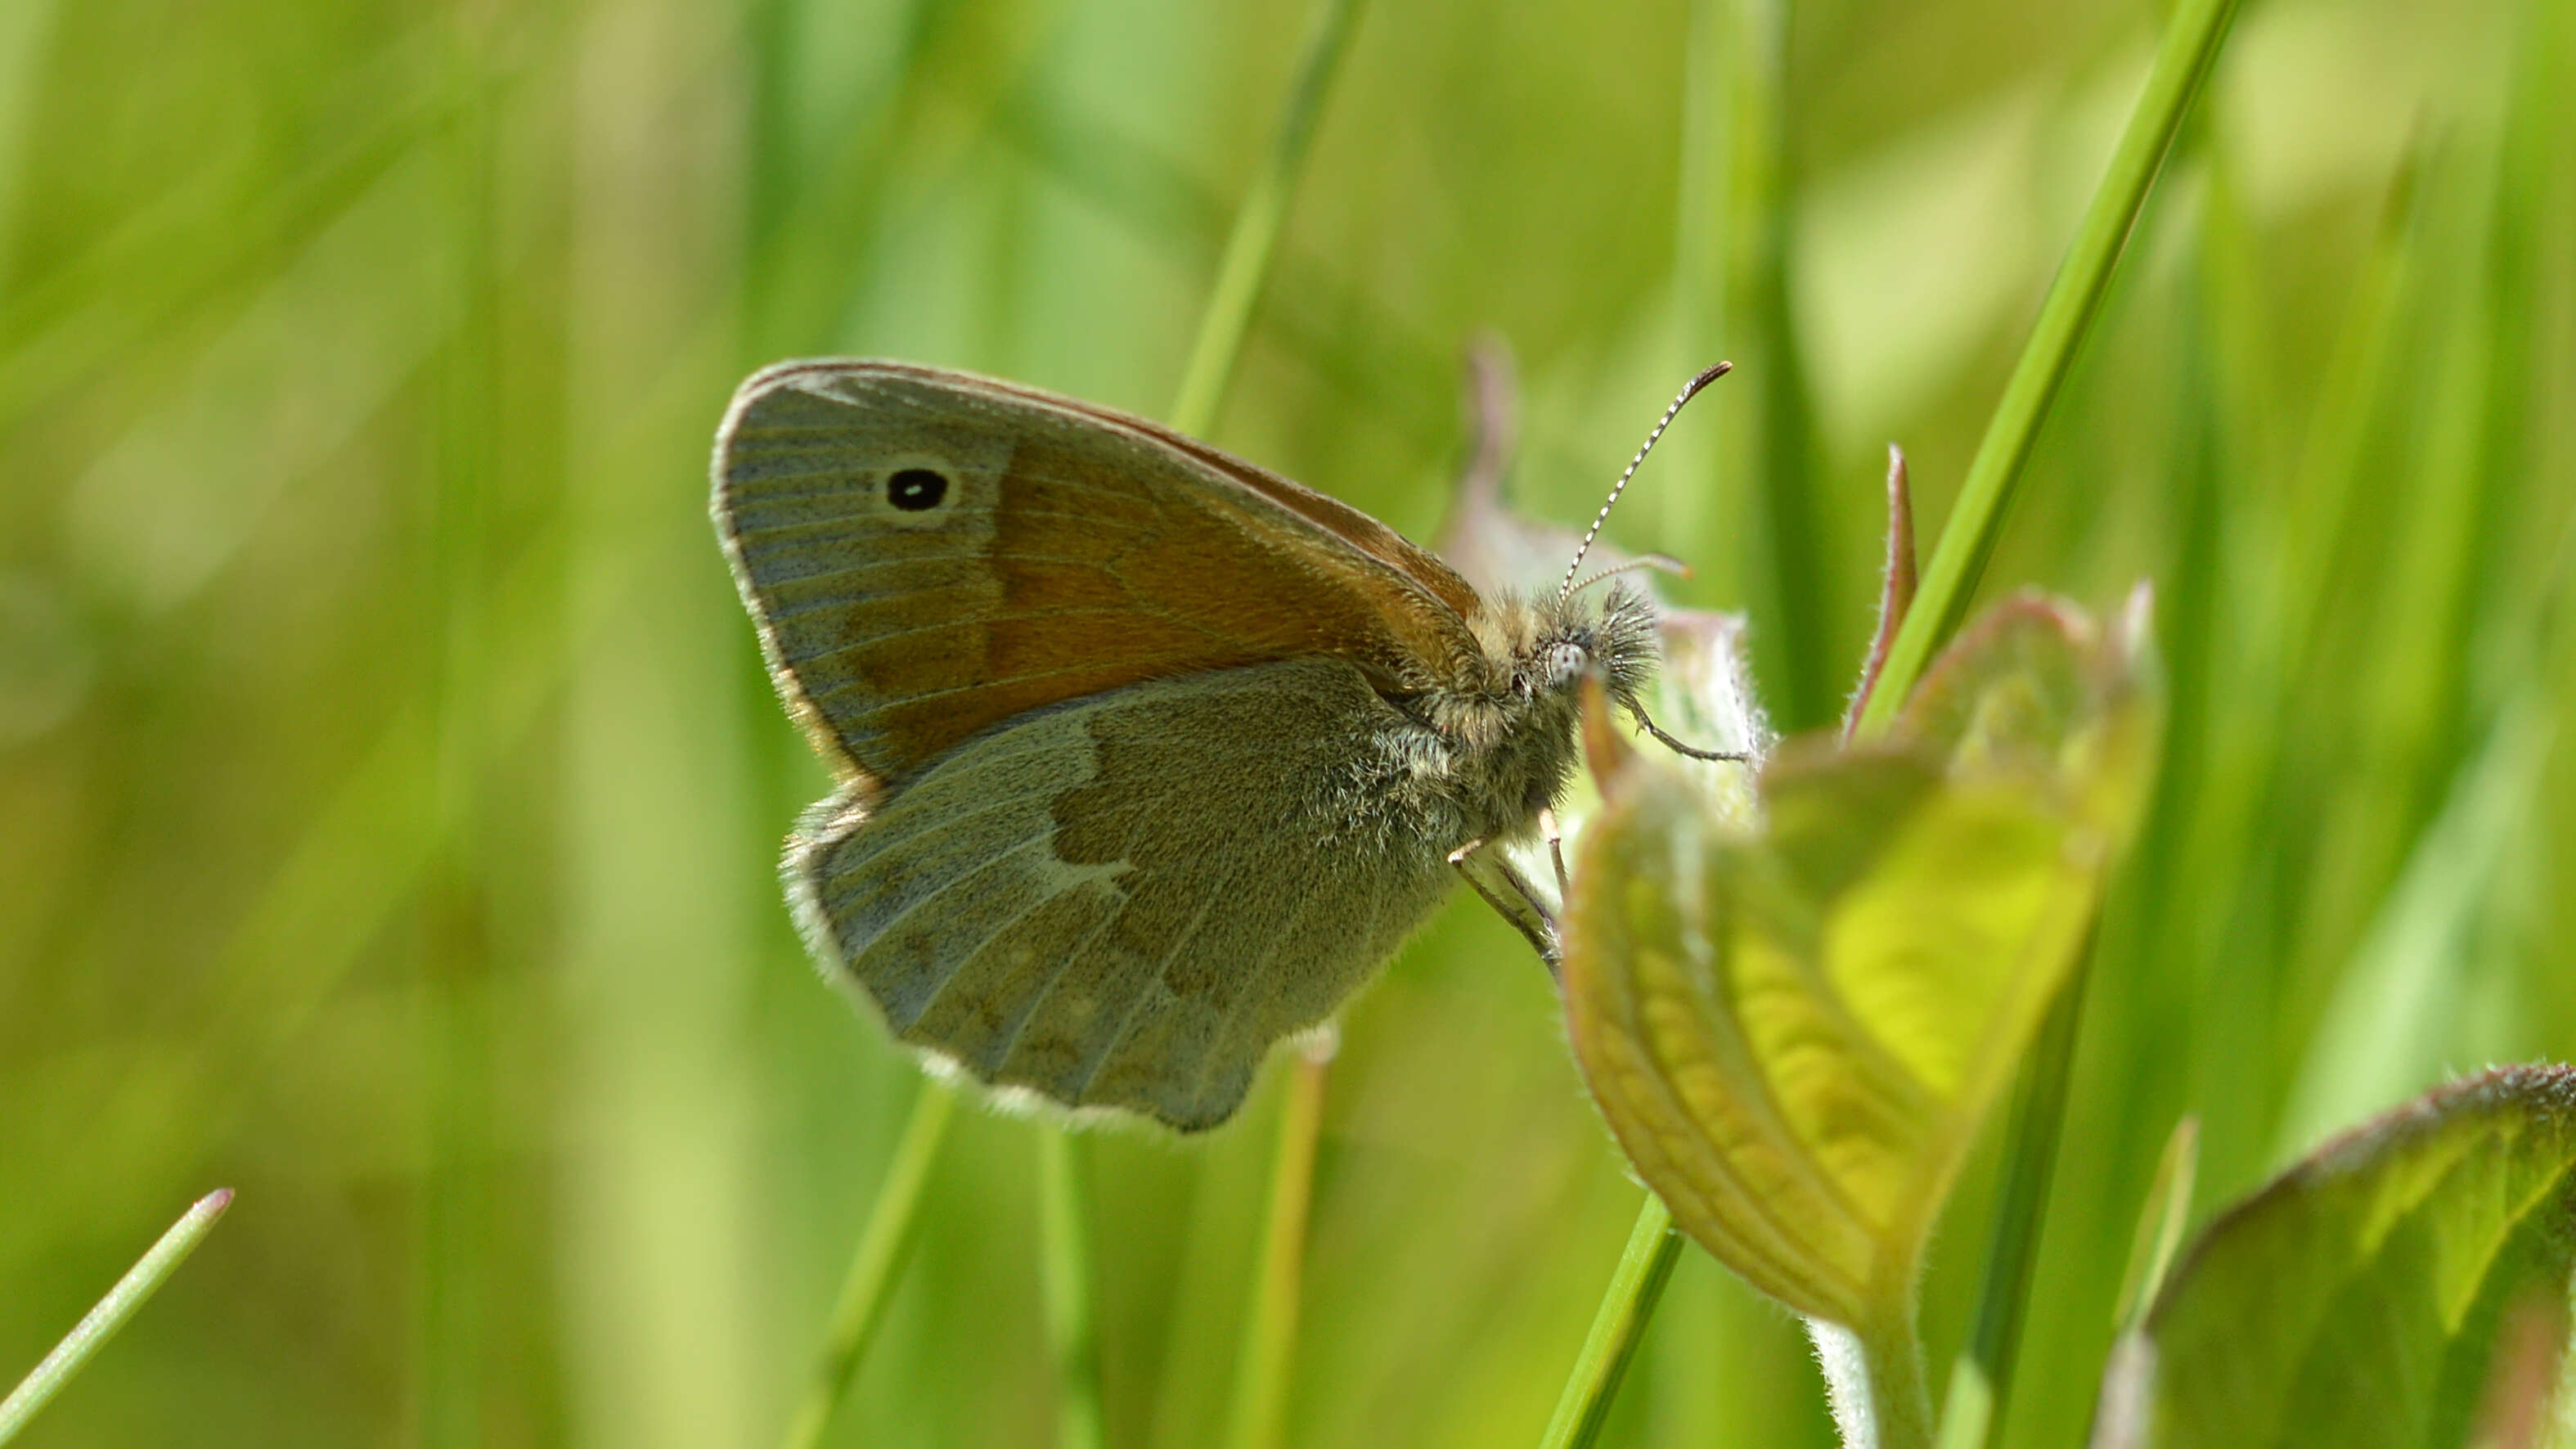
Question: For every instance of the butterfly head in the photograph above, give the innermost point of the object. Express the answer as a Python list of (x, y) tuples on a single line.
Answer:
[(1511, 719), (1553, 642)]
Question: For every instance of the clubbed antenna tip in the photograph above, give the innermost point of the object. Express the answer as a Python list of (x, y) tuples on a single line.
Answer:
[(1689, 390)]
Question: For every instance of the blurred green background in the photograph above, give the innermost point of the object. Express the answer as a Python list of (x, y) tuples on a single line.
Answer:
[(389, 791)]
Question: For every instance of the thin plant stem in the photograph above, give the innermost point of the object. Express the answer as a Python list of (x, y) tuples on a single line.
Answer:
[(2183, 61), (1072, 1317), (1270, 1331), (883, 1245), (1636, 1286), (1246, 263), (102, 1322), (1874, 1380)]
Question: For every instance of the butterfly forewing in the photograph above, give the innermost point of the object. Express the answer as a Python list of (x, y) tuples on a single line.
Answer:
[(929, 554)]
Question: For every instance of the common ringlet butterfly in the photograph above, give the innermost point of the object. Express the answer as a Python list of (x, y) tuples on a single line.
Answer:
[(1147, 757)]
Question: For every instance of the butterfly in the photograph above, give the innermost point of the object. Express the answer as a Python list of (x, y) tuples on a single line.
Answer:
[(1146, 757)]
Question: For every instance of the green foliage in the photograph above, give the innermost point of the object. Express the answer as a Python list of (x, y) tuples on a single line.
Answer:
[(2405, 1286), (389, 794), (1795, 1031)]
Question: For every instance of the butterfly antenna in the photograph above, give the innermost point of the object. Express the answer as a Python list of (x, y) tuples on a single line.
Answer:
[(1662, 563), (1689, 390)]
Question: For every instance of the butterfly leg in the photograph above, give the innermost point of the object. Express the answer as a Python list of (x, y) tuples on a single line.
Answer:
[(1556, 851), (1502, 887)]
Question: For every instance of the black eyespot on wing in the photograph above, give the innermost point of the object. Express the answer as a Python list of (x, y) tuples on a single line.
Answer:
[(916, 490)]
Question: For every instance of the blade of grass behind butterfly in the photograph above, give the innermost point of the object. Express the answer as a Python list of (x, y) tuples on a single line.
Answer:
[(2193, 36), (2205, 932), (1259, 1418), (814, 230), (457, 959), (1245, 265), (883, 1246), (1374, 358), (1785, 544), (1978, 1411), (1072, 1286), (1259, 1413), (799, 221)]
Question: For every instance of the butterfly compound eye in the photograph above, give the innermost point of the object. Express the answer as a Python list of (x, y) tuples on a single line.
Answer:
[(916, 490)]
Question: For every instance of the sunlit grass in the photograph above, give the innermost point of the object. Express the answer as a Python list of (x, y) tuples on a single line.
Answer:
[(389, 795)]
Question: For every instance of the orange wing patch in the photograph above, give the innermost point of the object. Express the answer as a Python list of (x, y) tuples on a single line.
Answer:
[(930, 553)]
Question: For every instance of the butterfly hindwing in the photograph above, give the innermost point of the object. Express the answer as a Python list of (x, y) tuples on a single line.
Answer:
[(1125, 900)]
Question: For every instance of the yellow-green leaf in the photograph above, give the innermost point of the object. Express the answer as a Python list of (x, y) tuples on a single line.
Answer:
[(1794, 1029)]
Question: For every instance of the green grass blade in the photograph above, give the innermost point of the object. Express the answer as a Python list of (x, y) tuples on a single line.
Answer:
[(1636, 1286), (2183, 61), (2030, 1163), (2160, 1224), (2387, 1029), (1246, 264), (1787, 563), (455, 1270), (1270, 1330), (102, 1322), (883, 1246), (1072, 1311)]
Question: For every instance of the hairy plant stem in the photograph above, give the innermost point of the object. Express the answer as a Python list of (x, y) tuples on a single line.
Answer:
[(1874, 1377)]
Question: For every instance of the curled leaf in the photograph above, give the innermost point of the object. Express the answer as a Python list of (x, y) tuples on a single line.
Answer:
[(1794, 1029)]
